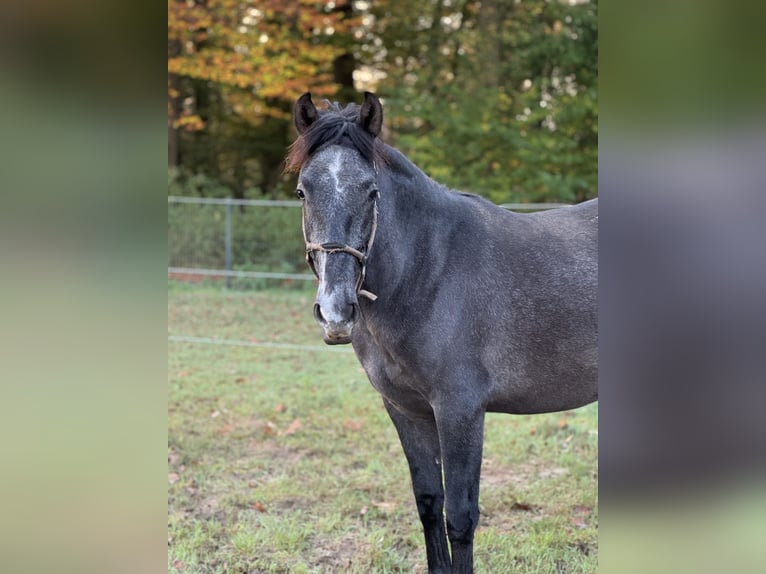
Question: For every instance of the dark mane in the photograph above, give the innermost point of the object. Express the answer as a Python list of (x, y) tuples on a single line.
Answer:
[(335, 125)]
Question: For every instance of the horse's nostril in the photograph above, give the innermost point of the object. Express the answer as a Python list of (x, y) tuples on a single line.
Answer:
[(330, 316), (318, 314)]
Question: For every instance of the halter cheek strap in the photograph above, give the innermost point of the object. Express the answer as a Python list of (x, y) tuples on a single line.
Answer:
[(360, 256)]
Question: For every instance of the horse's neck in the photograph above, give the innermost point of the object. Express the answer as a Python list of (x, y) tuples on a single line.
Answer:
[(411, 201), (411, 188)]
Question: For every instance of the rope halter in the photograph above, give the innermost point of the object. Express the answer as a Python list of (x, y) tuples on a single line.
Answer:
[(332, 247)]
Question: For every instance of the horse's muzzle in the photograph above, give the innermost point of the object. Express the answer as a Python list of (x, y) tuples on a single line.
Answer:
[(337, 326)]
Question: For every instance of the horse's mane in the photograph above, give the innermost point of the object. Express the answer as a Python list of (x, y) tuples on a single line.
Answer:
[(335, 125)]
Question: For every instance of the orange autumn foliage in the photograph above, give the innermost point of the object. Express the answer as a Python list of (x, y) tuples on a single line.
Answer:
[(261, 53)]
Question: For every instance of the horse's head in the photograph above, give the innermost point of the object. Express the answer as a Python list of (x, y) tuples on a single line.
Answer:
[(336, 151)]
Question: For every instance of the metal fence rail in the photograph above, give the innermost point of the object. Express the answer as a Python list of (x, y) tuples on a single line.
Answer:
[(235, 273), (252, 239)]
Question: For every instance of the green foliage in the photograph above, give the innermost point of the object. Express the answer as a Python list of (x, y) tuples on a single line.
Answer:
[(186, 183), (503, 103)]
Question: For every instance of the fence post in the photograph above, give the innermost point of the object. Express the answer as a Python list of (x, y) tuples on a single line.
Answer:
[(227, 243)]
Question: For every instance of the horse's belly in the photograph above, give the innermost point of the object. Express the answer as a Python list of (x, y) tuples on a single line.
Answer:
[(541, 391), (523, 406)]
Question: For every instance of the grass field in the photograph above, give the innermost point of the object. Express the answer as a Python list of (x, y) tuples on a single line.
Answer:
[(284, 460)]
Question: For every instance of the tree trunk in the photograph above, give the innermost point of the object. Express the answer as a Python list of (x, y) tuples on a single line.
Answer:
[(488, 31), (434, 46), (343, 74), (174, 109), (344, 65)]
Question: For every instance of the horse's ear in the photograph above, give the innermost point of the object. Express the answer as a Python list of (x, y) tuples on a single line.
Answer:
[(371, 114), (304, 113)]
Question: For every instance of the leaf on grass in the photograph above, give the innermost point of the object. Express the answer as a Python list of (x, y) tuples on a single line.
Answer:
[(279, 408), (259, 507), (292, 427), (387, 507), (354, 425), (215, 414), (363, 511), (173, 477), (562, 424), (521, 506), (579, 524)]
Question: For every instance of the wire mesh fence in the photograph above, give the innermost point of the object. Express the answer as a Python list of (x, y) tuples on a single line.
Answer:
[(255, 242)]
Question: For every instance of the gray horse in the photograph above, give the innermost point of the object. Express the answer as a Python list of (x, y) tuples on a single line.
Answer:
[(454, 306)]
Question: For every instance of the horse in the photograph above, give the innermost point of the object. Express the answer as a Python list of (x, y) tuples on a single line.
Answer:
[(454, 306)]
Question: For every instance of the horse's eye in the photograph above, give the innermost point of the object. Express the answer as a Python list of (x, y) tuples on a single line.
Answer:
[(300, 194)]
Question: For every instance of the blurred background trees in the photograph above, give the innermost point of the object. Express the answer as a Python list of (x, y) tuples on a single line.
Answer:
[(497, 97)]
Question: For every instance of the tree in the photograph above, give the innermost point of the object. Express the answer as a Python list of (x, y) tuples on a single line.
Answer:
[(234, 69), (496, 97)]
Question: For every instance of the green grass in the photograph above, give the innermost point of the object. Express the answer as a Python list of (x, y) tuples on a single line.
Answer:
[(285, 461)]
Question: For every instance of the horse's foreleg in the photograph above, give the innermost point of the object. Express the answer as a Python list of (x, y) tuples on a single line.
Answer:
[(420, 441), (462, 436)]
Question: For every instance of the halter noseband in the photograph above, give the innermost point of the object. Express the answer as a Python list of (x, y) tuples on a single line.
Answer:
[(360, 256)]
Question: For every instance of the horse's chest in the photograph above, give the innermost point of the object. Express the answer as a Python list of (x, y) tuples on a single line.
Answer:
[(395, 381)]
